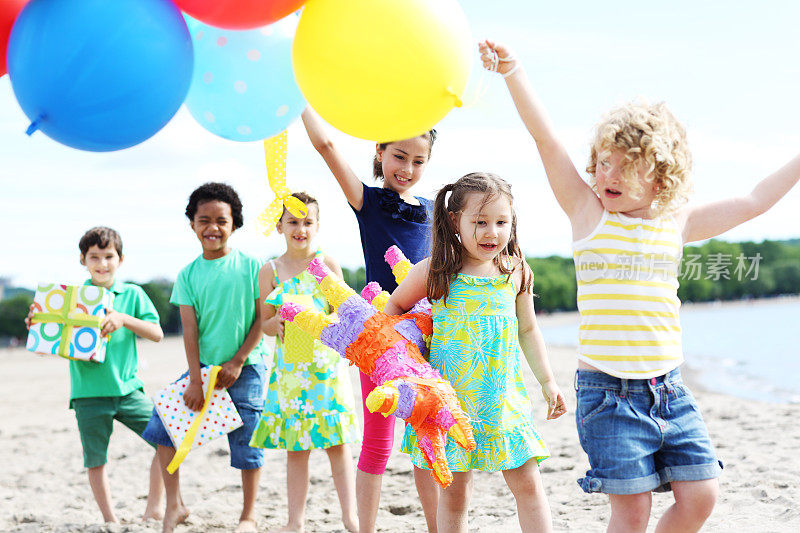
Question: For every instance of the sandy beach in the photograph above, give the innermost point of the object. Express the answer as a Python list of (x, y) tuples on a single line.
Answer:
[(44, 486)]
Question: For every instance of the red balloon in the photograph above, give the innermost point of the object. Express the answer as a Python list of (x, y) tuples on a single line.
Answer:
[(239, 14), (9, 9)]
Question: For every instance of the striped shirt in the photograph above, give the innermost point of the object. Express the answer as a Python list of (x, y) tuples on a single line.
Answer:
[(627, 272)]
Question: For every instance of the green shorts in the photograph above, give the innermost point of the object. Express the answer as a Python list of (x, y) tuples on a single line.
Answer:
[(96, 417)]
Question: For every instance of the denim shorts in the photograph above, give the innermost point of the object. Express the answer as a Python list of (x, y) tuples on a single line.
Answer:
[(641, 434), (247, 393)]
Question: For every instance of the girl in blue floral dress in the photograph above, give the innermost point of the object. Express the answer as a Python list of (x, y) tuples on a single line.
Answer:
[(480, 287), (309, 403)]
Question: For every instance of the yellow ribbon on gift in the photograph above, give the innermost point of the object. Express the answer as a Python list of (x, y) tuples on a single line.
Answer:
[(191, 433), (68, 319), (275, 154)]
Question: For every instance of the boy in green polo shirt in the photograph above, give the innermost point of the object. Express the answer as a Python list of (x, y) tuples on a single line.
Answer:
[(111, 390)]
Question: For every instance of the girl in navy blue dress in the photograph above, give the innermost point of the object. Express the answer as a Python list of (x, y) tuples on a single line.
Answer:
[(387, 215)]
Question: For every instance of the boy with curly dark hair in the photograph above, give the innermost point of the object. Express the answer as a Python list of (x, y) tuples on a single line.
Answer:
[(218, 298)]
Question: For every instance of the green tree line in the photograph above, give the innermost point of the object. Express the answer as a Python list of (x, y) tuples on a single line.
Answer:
[(716, 270)]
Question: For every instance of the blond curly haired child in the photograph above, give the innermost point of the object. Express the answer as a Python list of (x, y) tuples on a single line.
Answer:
[(637, 421)]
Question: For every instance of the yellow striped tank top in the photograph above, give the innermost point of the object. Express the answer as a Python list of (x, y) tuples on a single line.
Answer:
[(627, 272)]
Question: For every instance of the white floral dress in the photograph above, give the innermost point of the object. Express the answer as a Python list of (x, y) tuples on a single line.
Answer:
[(309, 402)]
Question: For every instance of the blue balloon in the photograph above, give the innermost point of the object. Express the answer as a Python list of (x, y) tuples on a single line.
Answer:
[(100, 75), (243, 87)]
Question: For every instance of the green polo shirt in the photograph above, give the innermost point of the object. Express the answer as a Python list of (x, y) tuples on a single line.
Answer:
[(116, 376), (223, 293)]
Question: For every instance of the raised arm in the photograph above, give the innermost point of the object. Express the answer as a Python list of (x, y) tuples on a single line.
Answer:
[(412, 290), (573, 194), (712, 219), (351, 186)]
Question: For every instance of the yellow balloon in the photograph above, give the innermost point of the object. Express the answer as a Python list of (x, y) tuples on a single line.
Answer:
[(382, 70)]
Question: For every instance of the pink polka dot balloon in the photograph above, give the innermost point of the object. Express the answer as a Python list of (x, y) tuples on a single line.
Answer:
[(243, 87)]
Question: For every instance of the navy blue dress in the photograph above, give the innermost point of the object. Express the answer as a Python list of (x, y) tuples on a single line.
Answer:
[(385, 219)]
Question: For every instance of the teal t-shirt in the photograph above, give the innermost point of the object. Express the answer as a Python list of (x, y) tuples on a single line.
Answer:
[(223, 293), (116, 376)]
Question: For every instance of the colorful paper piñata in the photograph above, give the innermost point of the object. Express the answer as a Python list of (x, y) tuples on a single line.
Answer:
[(191, 429), (389, 350), (67, 320), (298, 346)]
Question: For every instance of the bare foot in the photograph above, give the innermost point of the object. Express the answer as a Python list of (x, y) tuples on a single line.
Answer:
[(152, 514), (246, 525), (111, 519), (288, 528), (350, 524), (173, 517)]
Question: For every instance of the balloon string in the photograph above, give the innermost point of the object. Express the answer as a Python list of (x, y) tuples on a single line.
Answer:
[(480, 91)]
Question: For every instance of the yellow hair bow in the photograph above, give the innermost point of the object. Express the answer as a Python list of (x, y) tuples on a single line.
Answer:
[(275, 153)]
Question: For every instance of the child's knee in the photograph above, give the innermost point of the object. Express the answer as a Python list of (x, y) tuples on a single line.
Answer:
[(632, 510), (373, 459), (376, 446), (456, 497), (699, 501), (337, 453), (524, 482)]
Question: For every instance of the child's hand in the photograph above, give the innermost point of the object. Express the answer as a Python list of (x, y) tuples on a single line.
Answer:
[(556, 405), (112, 323), (280, 325), (29, 318), (229, 372), (497, 57), (193, 397)]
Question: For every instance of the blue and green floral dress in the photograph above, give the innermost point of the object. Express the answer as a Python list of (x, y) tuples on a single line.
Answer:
[(309, 402), (475, 345)]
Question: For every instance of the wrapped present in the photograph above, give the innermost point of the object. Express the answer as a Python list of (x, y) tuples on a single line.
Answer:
[(67, 320), (191, 429)]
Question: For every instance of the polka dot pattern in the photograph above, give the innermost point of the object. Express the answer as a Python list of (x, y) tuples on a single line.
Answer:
[(220, 419), (245, 80), (275, 154), (275, 149), (85, 342)]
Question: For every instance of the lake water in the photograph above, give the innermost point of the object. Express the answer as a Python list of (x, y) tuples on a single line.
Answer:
[(748, 349)]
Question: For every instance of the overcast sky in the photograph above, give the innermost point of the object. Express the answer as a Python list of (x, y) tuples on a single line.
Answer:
[(728, 70)]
